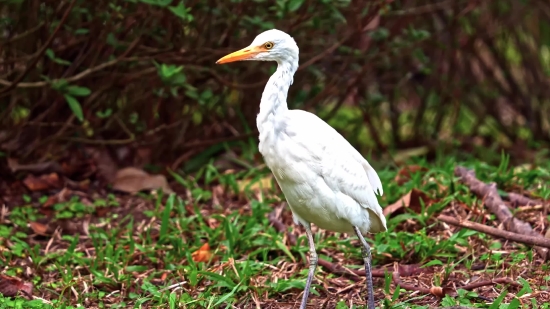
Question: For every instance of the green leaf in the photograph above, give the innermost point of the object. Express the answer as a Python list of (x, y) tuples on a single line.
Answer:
[(51, 55), (78, 91), (284, 248), (49, 52), (104, 114), (75, 107), (59, 85), (162, 3), (226, 296), (380, 34), (181, 11), (166, 217), (294, 5), (514, 304), (496, 303), (81, 31), (433, 263)]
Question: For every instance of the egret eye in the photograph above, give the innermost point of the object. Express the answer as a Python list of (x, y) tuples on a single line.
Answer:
[(269, 45)]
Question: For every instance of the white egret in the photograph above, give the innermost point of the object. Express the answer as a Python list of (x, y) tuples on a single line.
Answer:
[(324, 179)]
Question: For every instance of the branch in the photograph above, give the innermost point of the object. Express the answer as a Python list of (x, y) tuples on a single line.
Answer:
[(22, 35), (213, 141), (41, 51), (358, 274), (440, 292), (425, 9), (524, 239), (522, 200), (71, 79), (479, 284), (493, 201)]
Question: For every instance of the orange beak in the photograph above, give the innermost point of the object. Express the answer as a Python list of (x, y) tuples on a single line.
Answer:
[(243, 54)]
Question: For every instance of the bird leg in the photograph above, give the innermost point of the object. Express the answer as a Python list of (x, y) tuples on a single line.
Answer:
[(312, 265), (367, 259)]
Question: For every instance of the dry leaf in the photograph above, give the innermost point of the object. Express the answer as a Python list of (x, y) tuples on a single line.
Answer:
[(52, 199), (258, 184), (39, 228), (11, 286), (133, 180), (404, 174), (203, 254), (411, 200), (43, 182)]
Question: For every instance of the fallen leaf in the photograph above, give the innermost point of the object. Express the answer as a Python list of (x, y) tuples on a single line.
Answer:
[(203, 254), (212, 223), (52, 199), (62, 196), (11, 286), (133, 180), (405, 173), (102, 212), (43, 182), (255, 184), (83, 185), (39, 228), (411, 200)]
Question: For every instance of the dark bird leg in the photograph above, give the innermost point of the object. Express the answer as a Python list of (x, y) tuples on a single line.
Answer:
[(312, 265), (367, 259)]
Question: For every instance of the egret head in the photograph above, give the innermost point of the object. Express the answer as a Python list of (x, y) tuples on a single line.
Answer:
[(270, 45)]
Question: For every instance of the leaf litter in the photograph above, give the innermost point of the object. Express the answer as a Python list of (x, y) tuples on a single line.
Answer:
[(339, 274)]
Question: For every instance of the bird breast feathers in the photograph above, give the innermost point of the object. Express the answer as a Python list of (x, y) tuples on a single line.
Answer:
[(311, 146)]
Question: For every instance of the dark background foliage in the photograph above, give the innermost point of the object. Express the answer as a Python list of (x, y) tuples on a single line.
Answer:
[(389, 75)]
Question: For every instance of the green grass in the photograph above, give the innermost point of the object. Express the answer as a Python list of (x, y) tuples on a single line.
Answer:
[(137, 251)]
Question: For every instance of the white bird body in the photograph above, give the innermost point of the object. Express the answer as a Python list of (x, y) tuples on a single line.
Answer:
[(324, 179)]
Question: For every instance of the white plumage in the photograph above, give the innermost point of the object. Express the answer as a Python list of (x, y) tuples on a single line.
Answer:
[(324, 179)]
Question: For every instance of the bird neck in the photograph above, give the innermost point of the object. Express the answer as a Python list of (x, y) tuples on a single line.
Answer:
[(273, 102)]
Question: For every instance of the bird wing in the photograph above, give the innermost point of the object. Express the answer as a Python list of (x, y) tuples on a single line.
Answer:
[(342, 167)]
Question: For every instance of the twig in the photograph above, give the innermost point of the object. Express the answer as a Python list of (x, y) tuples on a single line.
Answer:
[(529, 208), (71, 79), (99, 141), (524, 239), (496, 205), (340, 270), (41, 51), (522, 200), (425, 9), (219, 140), (439, 291), (479, 284), (21, 36), (357, 275), (281, 227), (332, 48)]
